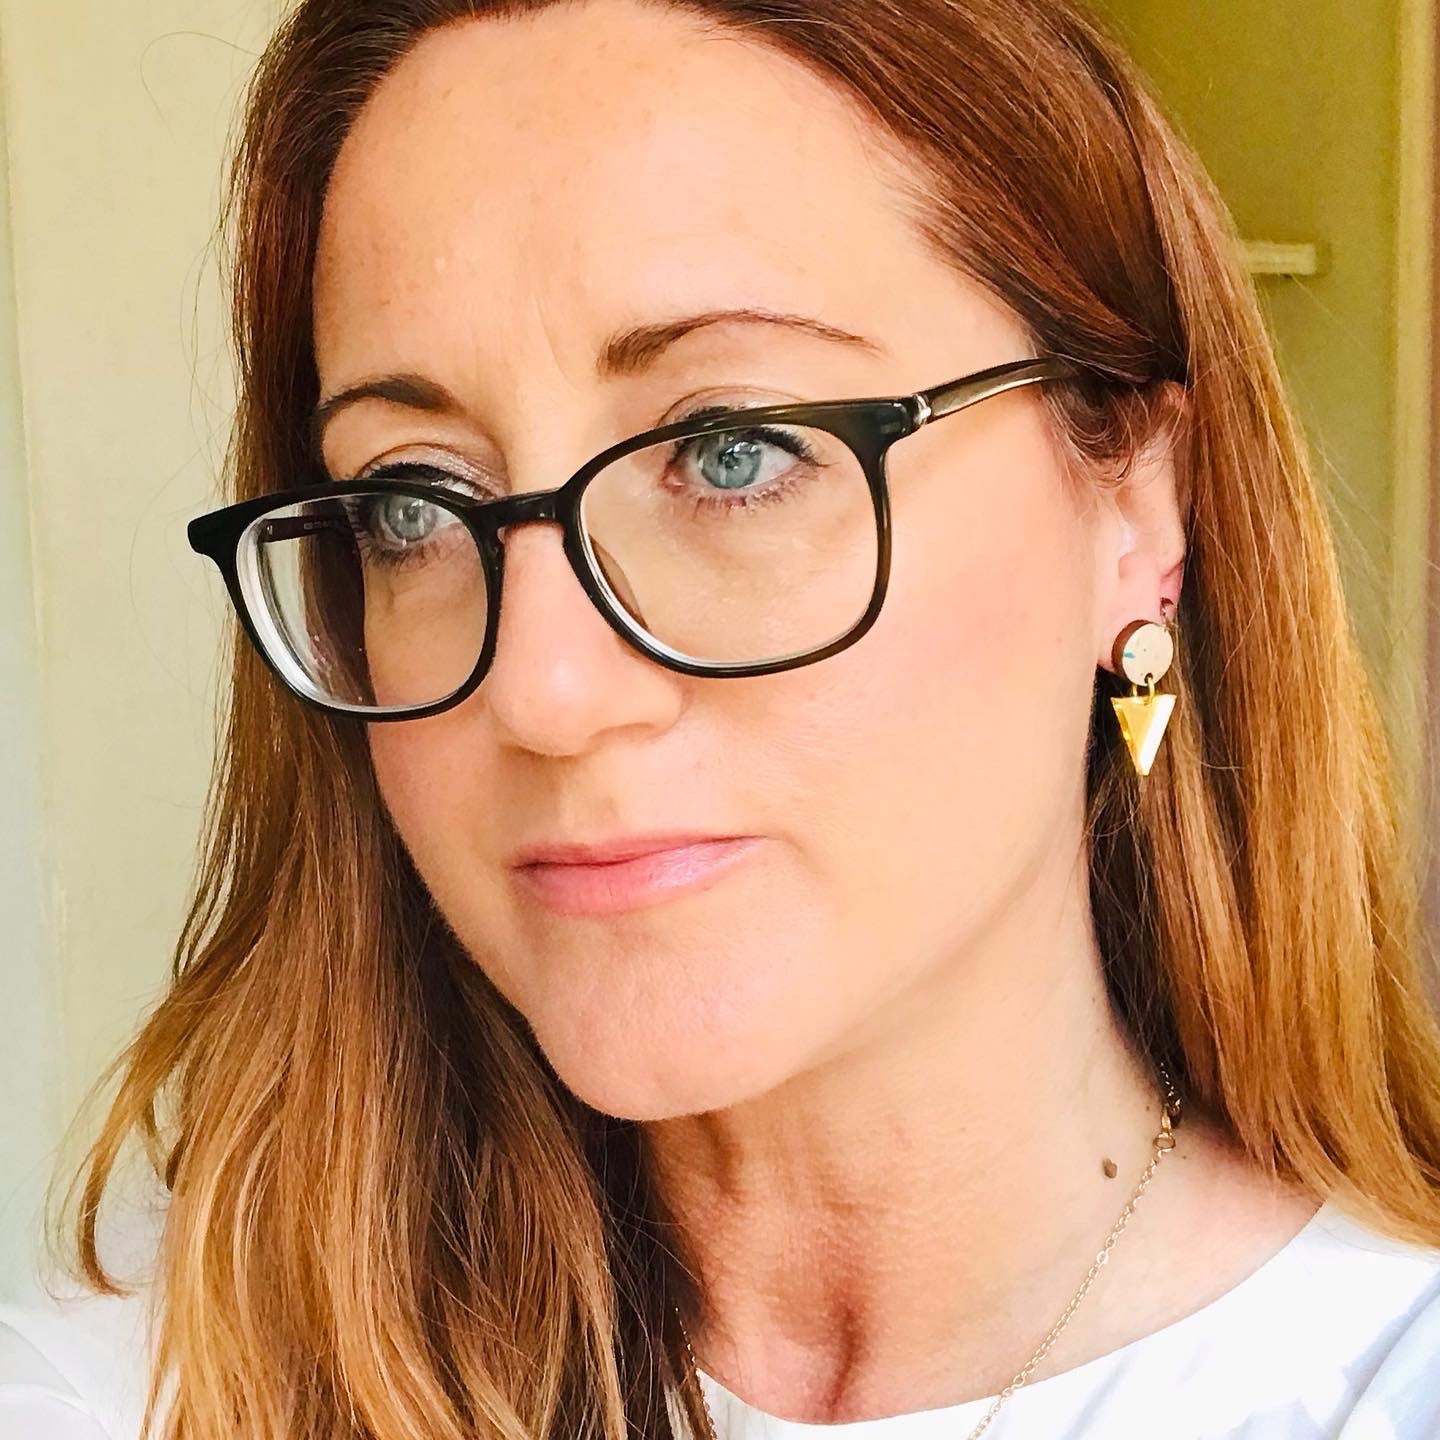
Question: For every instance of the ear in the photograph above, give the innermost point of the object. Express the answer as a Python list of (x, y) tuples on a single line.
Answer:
[(1140, 532)]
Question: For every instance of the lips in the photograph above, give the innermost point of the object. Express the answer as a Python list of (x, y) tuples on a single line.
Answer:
[(605, 852), (646, 876)]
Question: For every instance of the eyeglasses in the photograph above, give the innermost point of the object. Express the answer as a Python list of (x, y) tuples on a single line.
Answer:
[(733, 542)]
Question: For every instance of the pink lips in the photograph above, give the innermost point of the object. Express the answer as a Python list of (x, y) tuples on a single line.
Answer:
[(585, 885)]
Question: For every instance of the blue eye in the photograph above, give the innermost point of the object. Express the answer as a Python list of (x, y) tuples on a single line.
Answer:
[(731, 461), (397, 529), (405, 520), (741, 461)]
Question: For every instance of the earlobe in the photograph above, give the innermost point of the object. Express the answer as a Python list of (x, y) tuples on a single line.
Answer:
[(1145, 538)]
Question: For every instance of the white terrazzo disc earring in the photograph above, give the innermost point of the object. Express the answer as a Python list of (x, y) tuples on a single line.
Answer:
[(1144, 650)]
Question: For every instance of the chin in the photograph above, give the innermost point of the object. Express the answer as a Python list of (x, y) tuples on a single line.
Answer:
[(657, 1072), (679, 1013)]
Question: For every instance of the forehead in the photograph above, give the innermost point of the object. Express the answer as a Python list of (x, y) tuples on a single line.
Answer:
[(556, 173)]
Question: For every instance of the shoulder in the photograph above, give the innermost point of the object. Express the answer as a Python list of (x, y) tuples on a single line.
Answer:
[(74, 1365), (1386, 1292), (1339, 1334), (1403, 1390)]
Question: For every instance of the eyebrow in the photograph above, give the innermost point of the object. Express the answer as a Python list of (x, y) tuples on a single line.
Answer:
[(414, 392), (634, 349), (627, 352)]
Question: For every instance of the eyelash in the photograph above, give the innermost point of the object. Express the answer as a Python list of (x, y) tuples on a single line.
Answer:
[(420, 470), (746, 500)]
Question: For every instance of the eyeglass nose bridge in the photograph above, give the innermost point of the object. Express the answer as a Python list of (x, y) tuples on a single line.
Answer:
[(539, 505)]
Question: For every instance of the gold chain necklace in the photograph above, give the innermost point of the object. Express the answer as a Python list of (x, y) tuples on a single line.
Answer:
[(1163, 1143)]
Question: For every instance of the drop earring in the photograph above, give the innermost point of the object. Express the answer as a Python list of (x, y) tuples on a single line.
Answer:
[(1144, 650)]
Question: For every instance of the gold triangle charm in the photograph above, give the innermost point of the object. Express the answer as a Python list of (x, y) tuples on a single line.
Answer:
[(1143, 719)]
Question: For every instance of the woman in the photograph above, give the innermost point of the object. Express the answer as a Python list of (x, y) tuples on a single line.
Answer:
[(893, 926)]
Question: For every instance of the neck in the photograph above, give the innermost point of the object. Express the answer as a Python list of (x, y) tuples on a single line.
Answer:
[(932, 1187)]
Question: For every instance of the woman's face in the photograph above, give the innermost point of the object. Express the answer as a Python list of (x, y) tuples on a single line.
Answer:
[(516, 193)]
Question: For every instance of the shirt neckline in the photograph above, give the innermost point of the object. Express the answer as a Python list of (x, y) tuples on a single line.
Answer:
[(1052, 1387)]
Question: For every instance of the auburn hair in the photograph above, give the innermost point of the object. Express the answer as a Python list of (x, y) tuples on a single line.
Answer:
[(386, 1215)]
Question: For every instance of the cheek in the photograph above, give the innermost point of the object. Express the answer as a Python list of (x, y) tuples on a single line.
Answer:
[(433, 779), (967, 707), (411, 760), (988, 631), (989, 617)]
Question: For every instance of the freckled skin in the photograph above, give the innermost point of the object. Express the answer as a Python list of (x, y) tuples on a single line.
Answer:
[(501, 206), (877, 1061)]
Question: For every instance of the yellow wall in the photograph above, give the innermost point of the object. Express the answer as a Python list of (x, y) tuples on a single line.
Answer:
[(111, 425), (29, 1066)]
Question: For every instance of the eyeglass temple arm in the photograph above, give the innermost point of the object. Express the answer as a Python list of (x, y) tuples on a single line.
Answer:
[(945, 400), (296, 527)]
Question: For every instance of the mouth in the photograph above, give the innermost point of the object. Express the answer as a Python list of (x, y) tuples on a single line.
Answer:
[(586, 885)]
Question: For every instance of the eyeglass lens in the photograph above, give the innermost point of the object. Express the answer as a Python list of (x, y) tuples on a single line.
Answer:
[(741, 546)]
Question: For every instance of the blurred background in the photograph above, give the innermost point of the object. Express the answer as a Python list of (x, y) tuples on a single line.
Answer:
[(1318, 120)]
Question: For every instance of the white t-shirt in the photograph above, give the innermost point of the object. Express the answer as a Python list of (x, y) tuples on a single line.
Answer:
[(1336, 1336)]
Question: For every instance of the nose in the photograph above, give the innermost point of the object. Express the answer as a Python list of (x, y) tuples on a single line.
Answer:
[(561, 679)]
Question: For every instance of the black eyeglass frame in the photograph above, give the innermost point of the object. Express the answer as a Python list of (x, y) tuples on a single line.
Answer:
[(868, 426)]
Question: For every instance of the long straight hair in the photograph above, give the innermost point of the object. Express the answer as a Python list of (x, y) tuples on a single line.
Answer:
[(386, 1216)]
